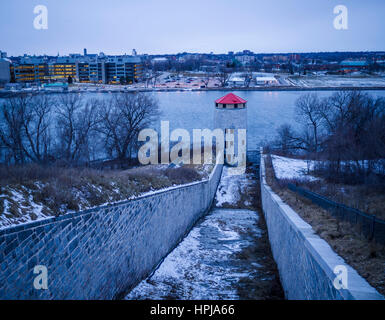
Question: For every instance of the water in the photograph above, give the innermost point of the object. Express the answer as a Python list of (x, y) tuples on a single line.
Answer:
[(267, 110)]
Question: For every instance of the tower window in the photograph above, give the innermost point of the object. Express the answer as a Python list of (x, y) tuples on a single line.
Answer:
[(236, 106), (224, 105)]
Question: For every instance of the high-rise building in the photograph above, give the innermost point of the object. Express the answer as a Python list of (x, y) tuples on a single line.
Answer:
[(97, 72), (123, 69), (89, 69), (62, 69), (30, 70), (5, 71), (113, 70)]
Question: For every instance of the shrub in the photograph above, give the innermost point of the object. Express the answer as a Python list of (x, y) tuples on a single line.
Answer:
[(182, 175)]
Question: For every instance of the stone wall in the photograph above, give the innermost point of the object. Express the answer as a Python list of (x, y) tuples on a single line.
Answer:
[(103, 252), (306, 263)]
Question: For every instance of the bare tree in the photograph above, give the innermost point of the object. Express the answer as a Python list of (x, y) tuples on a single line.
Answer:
[(289, 141), (37, 125), (11, 126), (307, 110), (206, 79), (224, 76), (122, 119), (248, 75), (155, 77), (75, 120), (345, 131)]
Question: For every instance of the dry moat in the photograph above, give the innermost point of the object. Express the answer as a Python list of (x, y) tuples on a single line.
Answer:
[(225, 256)]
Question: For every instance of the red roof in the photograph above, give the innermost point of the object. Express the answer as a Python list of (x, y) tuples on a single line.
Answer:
[(230, 98)]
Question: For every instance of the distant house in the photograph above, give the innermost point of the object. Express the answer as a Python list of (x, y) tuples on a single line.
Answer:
[(266, 81), (236, 81)]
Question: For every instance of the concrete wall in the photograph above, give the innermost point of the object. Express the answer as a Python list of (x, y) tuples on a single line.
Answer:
[(103, 252), (305, 261)]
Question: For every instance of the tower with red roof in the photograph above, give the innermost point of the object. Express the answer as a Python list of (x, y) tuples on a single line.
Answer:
[(231, 116)]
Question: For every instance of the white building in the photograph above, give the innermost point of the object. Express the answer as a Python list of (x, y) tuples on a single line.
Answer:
[(159, 60), (266, 81), (236, 81), (5, 71), (244, 59)]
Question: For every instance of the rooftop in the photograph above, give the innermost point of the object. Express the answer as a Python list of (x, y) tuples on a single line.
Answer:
[(230, 98), (354, 63)]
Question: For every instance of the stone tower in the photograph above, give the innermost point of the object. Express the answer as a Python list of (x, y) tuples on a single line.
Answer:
[(231, 116)]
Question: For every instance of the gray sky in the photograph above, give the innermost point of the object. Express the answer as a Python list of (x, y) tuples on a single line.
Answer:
[(172, 26)]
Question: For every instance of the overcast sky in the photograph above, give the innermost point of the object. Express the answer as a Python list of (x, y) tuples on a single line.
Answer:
[(172, 26)]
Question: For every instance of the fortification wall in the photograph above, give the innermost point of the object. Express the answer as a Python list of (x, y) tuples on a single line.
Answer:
[(103, 252), (306, 263)]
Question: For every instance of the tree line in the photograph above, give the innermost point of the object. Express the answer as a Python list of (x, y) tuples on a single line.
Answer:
[(344, 133), (70, 129)]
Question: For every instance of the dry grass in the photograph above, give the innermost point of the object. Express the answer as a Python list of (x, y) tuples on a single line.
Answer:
[(60, 190), (366, 198), (367, 257)]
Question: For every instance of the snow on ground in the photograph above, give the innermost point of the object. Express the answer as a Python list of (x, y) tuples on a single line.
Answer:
[(204, 265), (288, 168), (25, 211), (231, 187), (219, 258), (18, 205), (338, 81)]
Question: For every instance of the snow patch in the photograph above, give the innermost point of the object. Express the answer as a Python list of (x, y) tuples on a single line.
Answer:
[(288, 168)]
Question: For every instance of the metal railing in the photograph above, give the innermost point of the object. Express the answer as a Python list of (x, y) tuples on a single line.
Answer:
[(370, 226)]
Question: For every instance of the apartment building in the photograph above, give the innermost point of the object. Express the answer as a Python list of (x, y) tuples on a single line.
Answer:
[(111, 70), (61, 69), (30, 70), (123, 69), (40, 70)]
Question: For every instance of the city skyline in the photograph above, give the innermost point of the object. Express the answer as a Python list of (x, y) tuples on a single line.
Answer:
[(173, 27)]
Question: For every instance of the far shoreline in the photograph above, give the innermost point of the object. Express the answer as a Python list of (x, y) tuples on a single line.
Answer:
[(5, 94)]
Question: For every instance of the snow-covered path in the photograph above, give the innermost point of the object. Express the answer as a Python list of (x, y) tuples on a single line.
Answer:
[(221, 258)]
